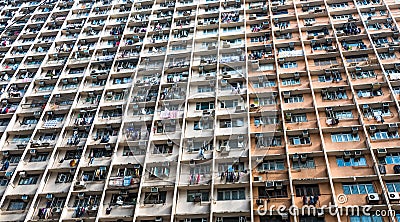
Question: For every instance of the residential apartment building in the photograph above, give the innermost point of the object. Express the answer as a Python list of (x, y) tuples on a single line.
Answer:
[(198, 110)]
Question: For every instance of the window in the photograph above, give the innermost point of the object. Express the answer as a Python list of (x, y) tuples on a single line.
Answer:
[(64, 178), (12, 158), (210, 31), (162, 149), (29, 180), (298, 118), (393, 186), (334, 95), (204, 89), (346, 114), (197, 145), (307, 164), (384, 135), (391, 158), (229, 103), (232, 29), (342, 17), (73, 154), (294, 99), (297, 140), (265, 120), (16, 205), (265, 101), (268, 141), (203, 125), (231, 194), (275, 193), (29, 120), (178, 47), (95, 175), (204, 105), (264, 84), (100, 152), (307, 190), (155, 198), (89, 200), (3, 181), (370, 218), (125, 200), (325, 62), (288, 65), (369, 93), (356, 188), (272, 165), (386, 55), (344, 137), (339, 5), (198, 195), (353, 161), (266, 67), (290, 82), (309, 20), (159, 171), (231, 123), (200, 169), (324, 78), (238, 167), (40, 157)]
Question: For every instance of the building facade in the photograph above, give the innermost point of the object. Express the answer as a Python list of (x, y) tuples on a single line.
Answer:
[(199, 110)]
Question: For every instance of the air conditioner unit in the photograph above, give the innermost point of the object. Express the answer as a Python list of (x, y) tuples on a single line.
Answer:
[(56, 210), (295, 157), (372, 129), (372, 198), (346, 154), (154, 190), (394, 196), (49, 196), (270, 185), (22, 174), (357, 153), (33, 152), (286, 94), (80, 184), (382, 152)]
